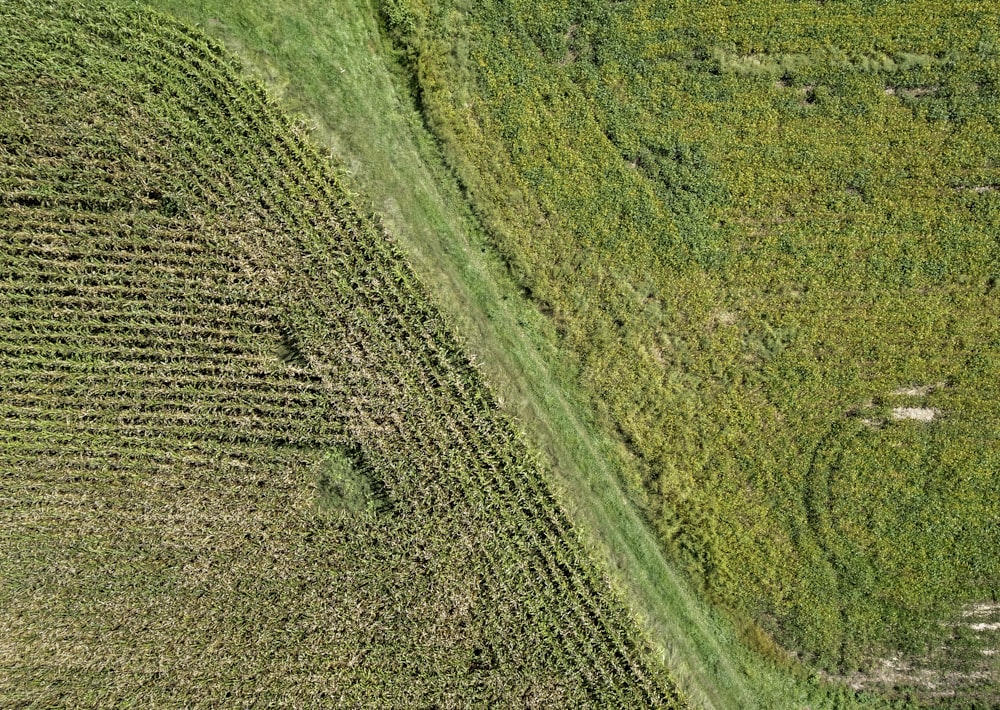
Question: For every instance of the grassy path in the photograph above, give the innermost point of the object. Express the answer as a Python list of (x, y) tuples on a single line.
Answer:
[(328, 61)]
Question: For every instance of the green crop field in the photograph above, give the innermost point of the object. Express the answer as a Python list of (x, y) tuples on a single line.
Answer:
[(331, 63), (767, 234), (243, 460), (692, 396)]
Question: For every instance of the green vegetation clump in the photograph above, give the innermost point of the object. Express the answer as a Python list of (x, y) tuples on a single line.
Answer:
[(213, 366), (342, 487), (766, 235)]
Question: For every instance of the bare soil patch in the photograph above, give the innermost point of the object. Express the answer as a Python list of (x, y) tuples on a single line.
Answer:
[(918, 414)]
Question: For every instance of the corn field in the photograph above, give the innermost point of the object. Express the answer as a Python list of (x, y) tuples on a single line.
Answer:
[(195, 317)]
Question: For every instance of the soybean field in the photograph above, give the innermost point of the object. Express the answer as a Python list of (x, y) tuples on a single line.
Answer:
[(767, 236)]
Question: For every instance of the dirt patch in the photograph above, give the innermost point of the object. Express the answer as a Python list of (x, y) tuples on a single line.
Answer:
[(913, 93), (952, 670), (994, 626), (919, 390), (978, 189), (726, 318), (896, 671), (917, 414)]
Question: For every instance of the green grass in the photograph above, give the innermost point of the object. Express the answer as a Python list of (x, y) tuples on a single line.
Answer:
[(366, 116), (242, 457)]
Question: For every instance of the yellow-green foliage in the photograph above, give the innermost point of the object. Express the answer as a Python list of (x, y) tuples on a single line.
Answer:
[(243, 462), (755, 224)]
